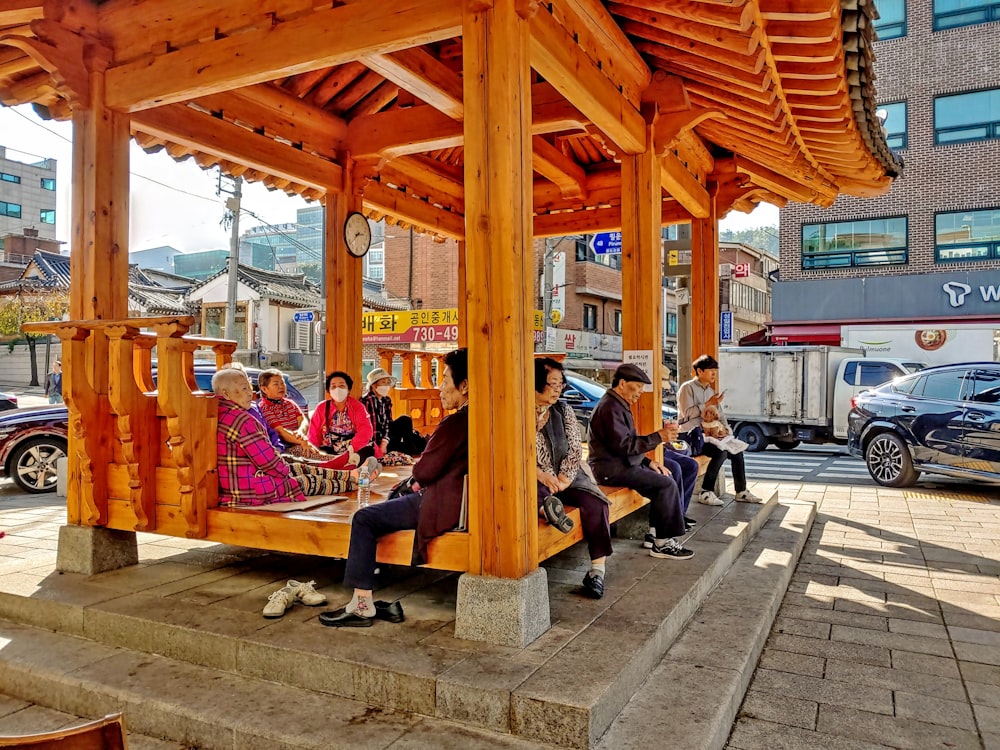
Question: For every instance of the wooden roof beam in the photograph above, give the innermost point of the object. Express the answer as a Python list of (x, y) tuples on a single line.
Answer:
[(749, 61), (667, 129), (318, 40), (554, 165), (731, 17), (565, 65), (427, 176), (800, 11), (424, 76), (398, 132), (683, 186), (382, 198), (18, 12), (599, 220), (202, 132)]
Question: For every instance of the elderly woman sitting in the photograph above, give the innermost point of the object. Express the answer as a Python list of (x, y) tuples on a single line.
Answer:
[(340, 425), (561, 473)]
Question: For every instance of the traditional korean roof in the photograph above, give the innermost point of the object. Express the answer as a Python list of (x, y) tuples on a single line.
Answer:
[(774, 99)]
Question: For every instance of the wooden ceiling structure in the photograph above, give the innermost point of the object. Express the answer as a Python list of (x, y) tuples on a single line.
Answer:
[(488, 121)]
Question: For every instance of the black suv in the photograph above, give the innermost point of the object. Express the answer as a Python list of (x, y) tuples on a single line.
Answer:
[(942, 420)]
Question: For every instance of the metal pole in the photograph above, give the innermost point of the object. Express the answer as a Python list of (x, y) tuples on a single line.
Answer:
[(233, 204), (546, 293)]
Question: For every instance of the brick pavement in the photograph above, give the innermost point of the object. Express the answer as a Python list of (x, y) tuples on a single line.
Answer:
[(889, 635)]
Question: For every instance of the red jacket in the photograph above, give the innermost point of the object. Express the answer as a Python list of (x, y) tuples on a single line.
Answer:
[(363, 431)]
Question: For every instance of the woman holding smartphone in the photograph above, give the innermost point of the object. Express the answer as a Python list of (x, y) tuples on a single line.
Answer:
[(693, 397)]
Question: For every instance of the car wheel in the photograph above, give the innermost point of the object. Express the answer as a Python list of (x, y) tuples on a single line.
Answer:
[(753, 436), (788, 445), (33, 463), (889, 462)]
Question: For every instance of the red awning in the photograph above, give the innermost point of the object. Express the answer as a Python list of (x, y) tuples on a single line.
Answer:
[(806, 333)]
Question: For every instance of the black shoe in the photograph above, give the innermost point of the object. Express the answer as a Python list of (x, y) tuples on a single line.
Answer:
[(389, 611), (593, 585), (343, 619), (690, 521), (671, 550), (555, 514), (648, 541)]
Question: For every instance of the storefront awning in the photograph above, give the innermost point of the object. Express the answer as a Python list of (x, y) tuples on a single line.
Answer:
[(582, 363), (807, 333)]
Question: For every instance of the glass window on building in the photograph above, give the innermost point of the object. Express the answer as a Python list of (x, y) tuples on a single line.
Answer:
[(12, 210), (895, 124), (589, 317), (47, 216), (48, 183), (967, 235), (950, 14), (672, 324), (617, 321), (892, 19), (845, 244), (10, 178), (961, 118)]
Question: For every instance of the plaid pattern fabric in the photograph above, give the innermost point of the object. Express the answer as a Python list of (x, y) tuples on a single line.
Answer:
[(250, 470), (285, 413)]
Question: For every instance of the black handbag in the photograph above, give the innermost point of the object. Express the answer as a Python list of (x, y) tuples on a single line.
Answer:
[(696, 439), (403, 488)]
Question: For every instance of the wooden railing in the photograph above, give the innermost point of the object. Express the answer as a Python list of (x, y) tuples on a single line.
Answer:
[(138, 453), (416, 393)]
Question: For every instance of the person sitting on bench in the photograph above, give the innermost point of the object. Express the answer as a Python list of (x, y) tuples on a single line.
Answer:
[(562, 477), (251, 471), (432, 509), (285, 417), (340, 424), (617, 459)]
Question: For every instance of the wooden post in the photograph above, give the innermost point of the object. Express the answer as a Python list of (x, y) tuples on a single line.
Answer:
[(642, 273), (499, 288), (704, 304), (463, 294), (344, 297)]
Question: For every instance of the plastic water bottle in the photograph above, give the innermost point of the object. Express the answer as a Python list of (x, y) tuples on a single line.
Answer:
[(364, 486)]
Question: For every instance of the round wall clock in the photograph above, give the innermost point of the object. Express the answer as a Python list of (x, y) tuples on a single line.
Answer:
[(357, 234)]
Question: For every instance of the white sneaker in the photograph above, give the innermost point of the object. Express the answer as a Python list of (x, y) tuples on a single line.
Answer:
[(748, 497), (306, 593), (279, 601), (709, 498)]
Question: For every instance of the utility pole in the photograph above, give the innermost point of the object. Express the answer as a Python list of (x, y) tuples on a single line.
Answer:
[(233, 217)]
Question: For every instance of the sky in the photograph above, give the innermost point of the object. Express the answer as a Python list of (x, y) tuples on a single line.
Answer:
[(176, 203)]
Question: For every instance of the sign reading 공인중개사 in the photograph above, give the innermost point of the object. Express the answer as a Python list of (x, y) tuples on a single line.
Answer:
[(420, 327)]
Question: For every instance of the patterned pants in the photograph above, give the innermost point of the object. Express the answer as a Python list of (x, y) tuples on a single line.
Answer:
[(316, 480)]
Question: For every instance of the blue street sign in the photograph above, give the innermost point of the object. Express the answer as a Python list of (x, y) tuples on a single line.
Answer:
[(304, 316), (606, 243), (726, 326)]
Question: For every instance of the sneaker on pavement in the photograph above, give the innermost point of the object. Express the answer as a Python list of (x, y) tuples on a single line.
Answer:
[(688, 521), (748, 497), (279, 601), (709, 498), (671, 550), (648, 540), (307, 593)]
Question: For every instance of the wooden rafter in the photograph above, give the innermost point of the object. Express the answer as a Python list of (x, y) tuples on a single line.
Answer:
[(412, 210), (553, 164), (424, 76)]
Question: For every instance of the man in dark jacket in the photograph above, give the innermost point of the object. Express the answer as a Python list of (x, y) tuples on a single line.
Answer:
[(432, 509), (617, 458)]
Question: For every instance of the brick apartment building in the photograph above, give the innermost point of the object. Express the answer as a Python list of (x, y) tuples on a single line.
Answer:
[(926, 254)]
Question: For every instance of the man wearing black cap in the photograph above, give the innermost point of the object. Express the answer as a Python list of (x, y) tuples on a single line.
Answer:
[(617, 458)]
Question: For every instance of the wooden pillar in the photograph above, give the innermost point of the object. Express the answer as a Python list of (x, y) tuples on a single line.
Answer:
[(705, 283), (463, 294), (344, 296), (499, 288), (642, 273)]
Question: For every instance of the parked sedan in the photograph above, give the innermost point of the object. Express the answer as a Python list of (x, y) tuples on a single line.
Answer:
[(7, 401), (34, 438), (582, 394), (942, 420)]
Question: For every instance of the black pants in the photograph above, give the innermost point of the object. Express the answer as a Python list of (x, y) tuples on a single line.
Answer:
[(666, 514), (594, 516), (718, 457), (367, 526)]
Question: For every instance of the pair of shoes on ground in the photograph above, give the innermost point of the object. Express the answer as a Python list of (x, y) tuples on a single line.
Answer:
[(649, 539), (555, 514), (710, 498), (341, 618), (291, 592)]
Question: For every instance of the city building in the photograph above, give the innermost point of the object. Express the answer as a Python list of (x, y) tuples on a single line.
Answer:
[(18, 248), (155, 258), (202, 264), (27, 193), (910, 272)]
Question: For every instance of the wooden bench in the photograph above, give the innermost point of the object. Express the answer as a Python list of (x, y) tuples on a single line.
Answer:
[(104, 734)]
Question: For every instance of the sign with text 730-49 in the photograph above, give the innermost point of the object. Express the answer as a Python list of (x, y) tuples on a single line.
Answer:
[(606, 243)]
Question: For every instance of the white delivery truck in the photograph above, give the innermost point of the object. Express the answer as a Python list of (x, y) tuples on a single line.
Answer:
[(941, 344), (789, 395)]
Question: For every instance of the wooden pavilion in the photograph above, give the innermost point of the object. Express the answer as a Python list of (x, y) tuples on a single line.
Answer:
[(488, 121)]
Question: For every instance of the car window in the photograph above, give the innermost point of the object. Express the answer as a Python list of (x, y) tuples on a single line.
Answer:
[(204, 380), (945, 385), (905, 385), (851, 373), (915, 366), (984, 387), (876, 373)]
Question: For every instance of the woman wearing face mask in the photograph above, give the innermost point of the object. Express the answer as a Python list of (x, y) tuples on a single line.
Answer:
[(396, 442), (340, 425)]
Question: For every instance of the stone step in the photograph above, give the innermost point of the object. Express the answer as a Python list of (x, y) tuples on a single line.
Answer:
[(210, 709), (202, 607), (572, 699), (696, 690)]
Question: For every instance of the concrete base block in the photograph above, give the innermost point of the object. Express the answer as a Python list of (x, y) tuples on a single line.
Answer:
[(94, 549), (62, 471), (502, 611)]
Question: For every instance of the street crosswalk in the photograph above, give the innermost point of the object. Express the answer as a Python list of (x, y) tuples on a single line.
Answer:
[(829, 466)]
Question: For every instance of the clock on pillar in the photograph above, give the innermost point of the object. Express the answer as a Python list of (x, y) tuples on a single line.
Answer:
[(357, 234)]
